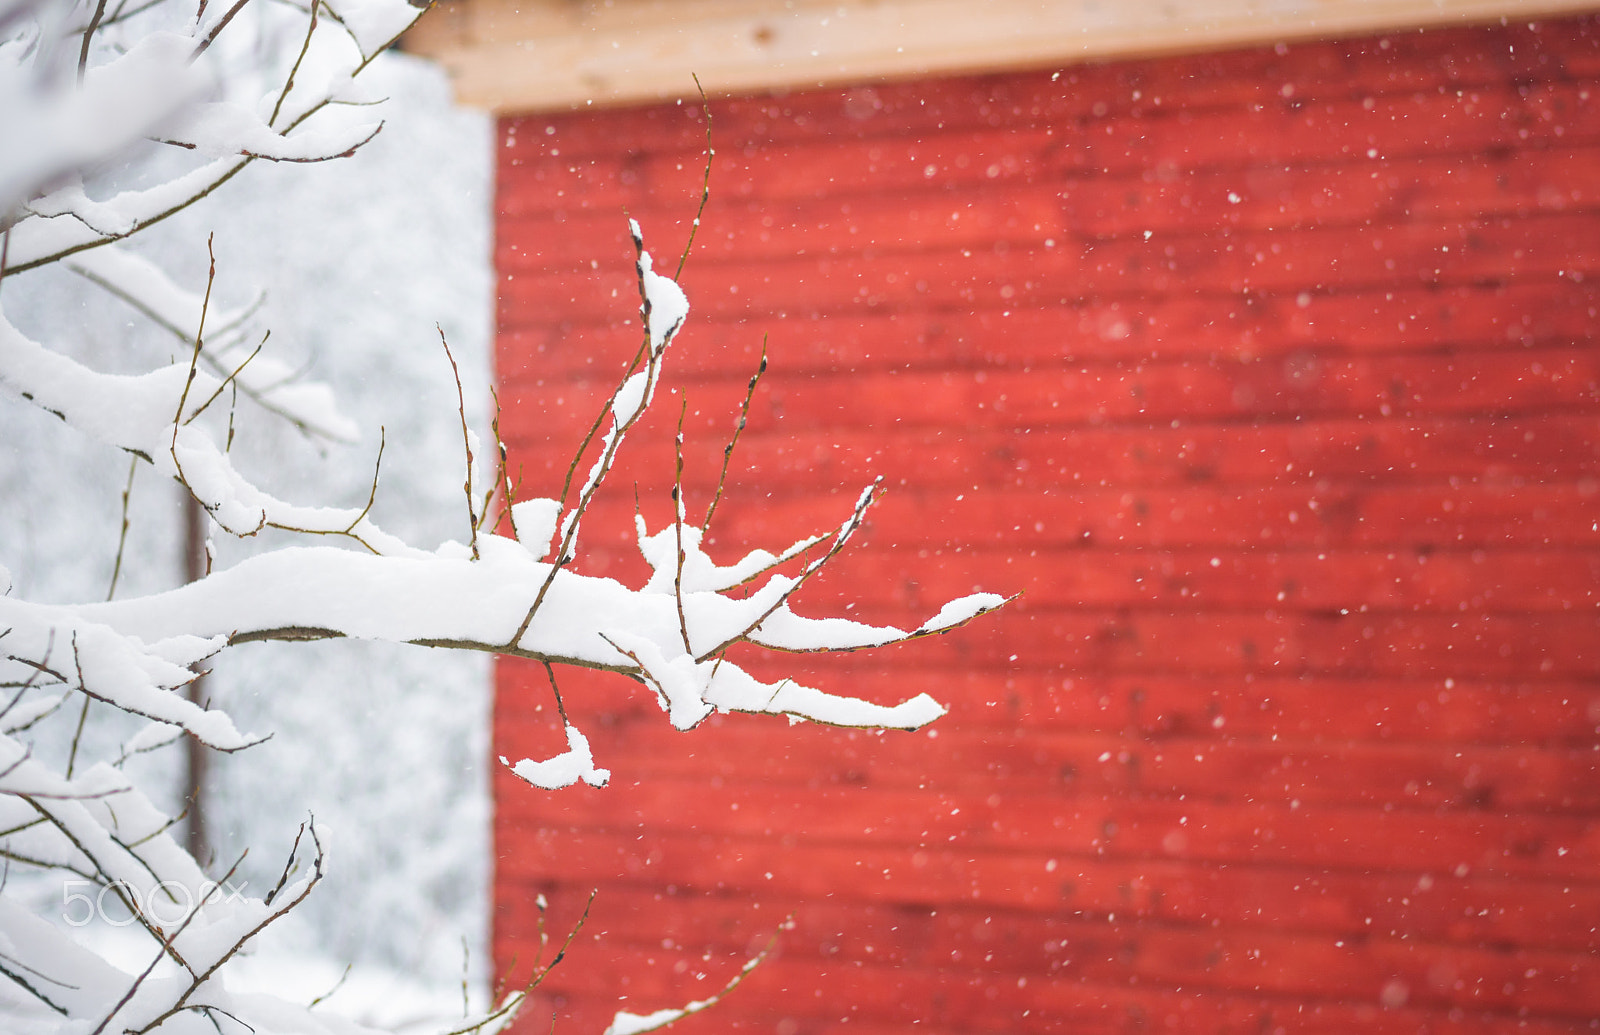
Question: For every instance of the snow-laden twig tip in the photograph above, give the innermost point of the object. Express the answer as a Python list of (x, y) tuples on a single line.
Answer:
[(565, 769)]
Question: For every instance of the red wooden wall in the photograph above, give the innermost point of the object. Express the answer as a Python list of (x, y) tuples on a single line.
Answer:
[(1269, 378)]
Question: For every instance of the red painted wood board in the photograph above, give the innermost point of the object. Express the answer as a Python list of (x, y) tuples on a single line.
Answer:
[(1268, 379)]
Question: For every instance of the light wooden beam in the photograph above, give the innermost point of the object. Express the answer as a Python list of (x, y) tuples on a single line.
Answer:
[(542, 55)]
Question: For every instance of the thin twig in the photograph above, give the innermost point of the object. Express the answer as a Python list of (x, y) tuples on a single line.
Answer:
[(600, 418), (125, 754), (677, 526), (544, 930), (313, 160), (19, 828), (39, 669), (561, 708), (572, 935), (216, 30), (17, 697), (705, 186), (372, 493), (674, 1016), (88, 38), (145, 714), (233, 411), (40, 717), (336, 986), (514, 1002), (641, 673), (846, 531), (228, 380), (466, 441), (22, 689), (210, 1011), (288, 867), (77, 735), (11, 855), (26, 757), (122, 536), (28, 987), (508, 492), (122, 13), (367, 59), (727, 452), (305, 46), (171, 822), (194, 359)]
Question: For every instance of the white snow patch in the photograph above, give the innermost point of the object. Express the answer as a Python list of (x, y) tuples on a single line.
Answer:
[(565, 769), (625, 1023), (535, 521), (669, 306), (631, 396), (374, 24), (964, 609)]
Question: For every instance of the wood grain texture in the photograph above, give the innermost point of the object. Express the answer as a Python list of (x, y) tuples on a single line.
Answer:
[(542, 55), (1268, 378)]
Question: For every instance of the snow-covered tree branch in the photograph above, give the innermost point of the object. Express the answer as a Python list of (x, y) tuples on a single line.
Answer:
[(80, 84)]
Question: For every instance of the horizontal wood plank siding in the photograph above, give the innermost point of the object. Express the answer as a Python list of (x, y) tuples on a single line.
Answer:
[(1270, 379)]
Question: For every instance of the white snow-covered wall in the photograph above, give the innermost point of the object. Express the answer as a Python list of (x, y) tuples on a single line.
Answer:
[(359, 259)]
